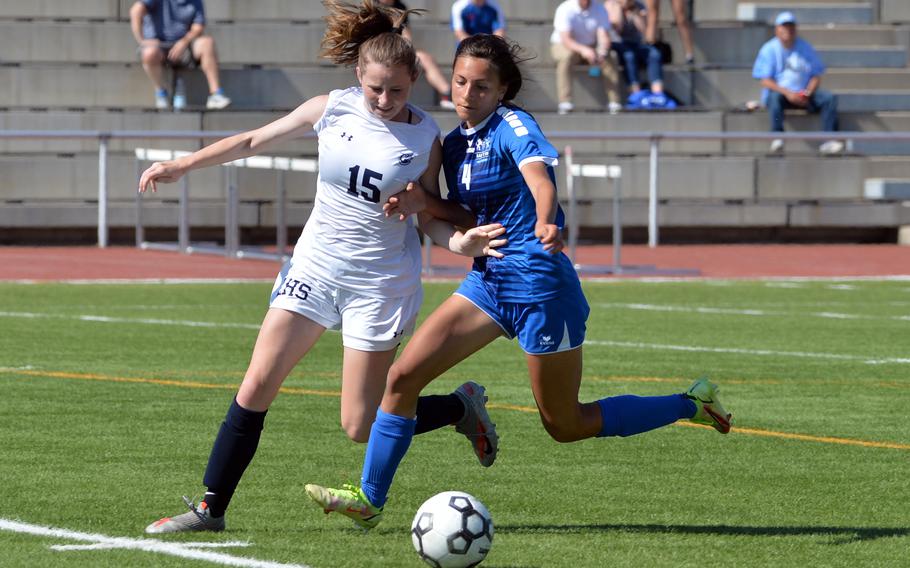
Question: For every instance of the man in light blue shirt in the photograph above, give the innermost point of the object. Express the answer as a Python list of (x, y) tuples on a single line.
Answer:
[(790, 71)]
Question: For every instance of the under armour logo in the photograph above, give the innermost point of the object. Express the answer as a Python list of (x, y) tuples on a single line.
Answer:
[(345, 135)]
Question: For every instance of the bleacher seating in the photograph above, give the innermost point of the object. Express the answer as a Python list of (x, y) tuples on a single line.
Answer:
[(73, 65)]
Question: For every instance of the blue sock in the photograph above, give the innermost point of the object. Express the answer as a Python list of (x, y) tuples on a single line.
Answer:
[(390, 438), (161, 92), (627, 415), (218, 91)]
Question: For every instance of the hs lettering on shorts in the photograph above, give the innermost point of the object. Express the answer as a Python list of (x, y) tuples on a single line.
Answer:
[(294, 288)]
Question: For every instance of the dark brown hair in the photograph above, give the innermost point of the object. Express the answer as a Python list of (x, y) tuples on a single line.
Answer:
[(503, 54), (369, 33)]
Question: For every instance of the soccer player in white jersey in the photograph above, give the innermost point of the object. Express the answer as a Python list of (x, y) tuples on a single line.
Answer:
[(499, 164), (353, 267)]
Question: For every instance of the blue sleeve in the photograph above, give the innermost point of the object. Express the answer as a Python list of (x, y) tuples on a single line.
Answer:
[(765, 63), (524, 140), (200, 12), (150, 5), (450, 171)]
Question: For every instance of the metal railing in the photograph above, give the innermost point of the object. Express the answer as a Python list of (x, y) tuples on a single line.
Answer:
[(653, 138)]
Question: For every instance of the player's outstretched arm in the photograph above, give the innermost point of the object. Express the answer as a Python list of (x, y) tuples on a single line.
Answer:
[(482, 240), (242, 145)]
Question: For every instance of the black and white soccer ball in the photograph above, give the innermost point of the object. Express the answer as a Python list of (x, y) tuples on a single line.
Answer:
[(452, 530)]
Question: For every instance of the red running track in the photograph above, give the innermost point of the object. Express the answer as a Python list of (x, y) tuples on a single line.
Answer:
[(713, 261)]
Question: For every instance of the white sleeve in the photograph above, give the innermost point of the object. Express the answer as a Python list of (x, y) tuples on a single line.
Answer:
[(561, 19), (457, 8)]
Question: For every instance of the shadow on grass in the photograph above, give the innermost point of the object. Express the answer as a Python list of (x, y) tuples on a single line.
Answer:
[(847, 534)]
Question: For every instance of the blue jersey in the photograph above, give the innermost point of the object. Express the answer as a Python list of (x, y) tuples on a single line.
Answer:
[(474, 19), (170, 20), (482, 170)]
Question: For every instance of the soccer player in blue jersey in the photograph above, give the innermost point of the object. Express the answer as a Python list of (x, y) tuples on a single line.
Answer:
[(499, 164)]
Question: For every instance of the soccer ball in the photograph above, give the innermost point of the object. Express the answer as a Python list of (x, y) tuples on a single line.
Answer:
[(452, 530)]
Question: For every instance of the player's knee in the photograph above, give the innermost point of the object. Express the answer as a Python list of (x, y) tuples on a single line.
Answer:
[(152, 56), (401, 382), (357, 431), (562, 431), (204, 45)]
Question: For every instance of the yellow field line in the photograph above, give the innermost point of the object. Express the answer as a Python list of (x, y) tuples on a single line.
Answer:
[(164, 382), (517, 408)]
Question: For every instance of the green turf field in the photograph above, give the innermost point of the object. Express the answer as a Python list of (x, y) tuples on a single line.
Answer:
[(111, 395)]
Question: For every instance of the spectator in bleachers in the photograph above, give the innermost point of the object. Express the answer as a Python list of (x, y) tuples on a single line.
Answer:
[(652, 27), (433, 74), (471, 17), (790, 71), (581, 35), (628, 18), (173, 31)]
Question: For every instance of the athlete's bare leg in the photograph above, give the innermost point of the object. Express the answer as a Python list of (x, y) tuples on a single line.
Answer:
[(284, 338), (363, 379), (454, 331), (555, 380)]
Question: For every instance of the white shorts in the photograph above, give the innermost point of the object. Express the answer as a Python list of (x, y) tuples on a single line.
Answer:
[(366, 323)]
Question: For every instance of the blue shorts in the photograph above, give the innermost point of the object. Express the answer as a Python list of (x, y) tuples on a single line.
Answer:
[(541, 327)]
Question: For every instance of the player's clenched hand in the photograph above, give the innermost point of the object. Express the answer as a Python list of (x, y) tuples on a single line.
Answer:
[(407, 202), (163, 172), (550, 237), (483, 241)]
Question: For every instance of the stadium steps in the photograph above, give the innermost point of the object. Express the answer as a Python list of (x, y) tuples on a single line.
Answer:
[(298, 44), (894, 11), (887, 189), (61, 86), (828, 12)]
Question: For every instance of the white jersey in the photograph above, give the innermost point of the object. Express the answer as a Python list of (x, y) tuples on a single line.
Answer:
[(363, 160)]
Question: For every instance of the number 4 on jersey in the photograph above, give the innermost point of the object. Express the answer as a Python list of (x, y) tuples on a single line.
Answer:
[(367, 182)]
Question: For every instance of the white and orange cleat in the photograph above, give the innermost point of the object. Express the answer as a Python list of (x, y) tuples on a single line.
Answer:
[(476, 424), (198, 518)]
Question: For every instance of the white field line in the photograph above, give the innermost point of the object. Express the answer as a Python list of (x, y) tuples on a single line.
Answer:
[(188, 550), (654, 346), (755, 352), (149, 321), (744, 312), (81, 281)]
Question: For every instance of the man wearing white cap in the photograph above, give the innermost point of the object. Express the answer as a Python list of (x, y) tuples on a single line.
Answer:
[(790, 71)]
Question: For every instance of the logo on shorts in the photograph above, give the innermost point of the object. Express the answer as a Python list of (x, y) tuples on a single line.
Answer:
[(546, 340), (405, 158)]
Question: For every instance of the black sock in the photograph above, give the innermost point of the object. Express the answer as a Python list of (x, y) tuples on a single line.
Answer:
[(232, 452), (436, 411)]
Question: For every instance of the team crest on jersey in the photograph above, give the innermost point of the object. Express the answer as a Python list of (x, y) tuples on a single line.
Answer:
[(405, 158)]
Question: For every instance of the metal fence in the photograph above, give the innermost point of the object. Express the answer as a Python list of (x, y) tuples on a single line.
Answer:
[(653, 138)]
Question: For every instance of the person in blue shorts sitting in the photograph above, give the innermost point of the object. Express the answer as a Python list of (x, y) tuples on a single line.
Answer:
[(499, 164)]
